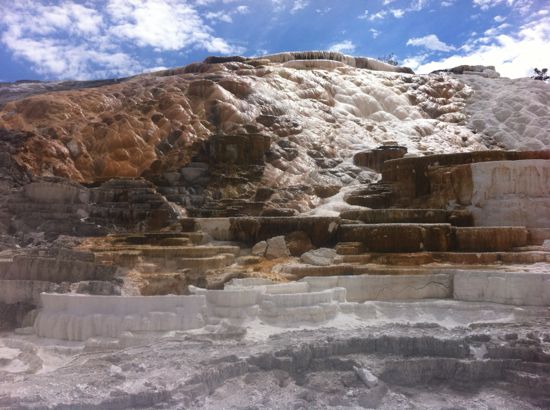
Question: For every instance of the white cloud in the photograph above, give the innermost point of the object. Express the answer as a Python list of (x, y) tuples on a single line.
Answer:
[(71, 39), (499, 19), (495, 30), (364, 16), (299, 5), (226, 16), (161, 24), (323, 11), (447, 3), (378, 16), (219, 15), (431, 42), (397, 13), (522, 6), (415, 5), (418, 5), (512, 55), (415, 61), (375, 33), (345, 46)]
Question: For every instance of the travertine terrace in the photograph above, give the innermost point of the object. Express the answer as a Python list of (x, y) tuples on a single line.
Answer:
[(304, 230)]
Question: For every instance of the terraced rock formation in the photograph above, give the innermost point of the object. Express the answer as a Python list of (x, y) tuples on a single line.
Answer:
[(300, 231)]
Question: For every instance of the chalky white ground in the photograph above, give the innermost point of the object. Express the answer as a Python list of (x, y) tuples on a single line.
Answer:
[(207, 368)]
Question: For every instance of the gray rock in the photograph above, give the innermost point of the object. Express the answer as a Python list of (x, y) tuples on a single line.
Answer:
[(74, 148), (319, 257), (372, 398), (172, 177), (276, 248), (369, 379), (190, 174), (259, 249)]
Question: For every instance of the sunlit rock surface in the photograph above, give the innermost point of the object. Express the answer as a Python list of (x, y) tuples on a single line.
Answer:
[(301, 230)]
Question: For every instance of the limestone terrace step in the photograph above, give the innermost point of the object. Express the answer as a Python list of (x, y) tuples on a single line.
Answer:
[(490, 238), (398, 237), (361, 288), (171, 251), (250, 230), (459, 258), (511, 288), (538, 235), (394, 215)]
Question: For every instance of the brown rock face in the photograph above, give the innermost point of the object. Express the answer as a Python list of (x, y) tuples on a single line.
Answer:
[(298, 242), (375, 158)]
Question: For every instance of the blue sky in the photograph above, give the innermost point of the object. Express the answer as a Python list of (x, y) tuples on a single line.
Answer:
[(87, 39)]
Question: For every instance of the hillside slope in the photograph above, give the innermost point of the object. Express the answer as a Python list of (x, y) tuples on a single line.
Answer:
[(317, 114)]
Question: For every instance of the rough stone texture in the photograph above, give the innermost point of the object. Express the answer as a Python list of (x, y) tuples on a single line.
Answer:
[(410, 178), (259, 249), (239, 150), (250, 230), (513, 193), (386, 287), (319, 257), (298, 242), (375, 158), (79, 317), (276, 248), (488, 239), (398, 237), (392, 215), (522, 289), (55, 270)]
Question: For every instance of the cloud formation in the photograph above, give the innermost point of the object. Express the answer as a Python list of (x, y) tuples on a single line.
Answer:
[(72, 40), (431, 42), (345, 46), (514, 55)]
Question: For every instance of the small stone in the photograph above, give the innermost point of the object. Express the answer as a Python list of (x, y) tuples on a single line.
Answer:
[(191, 174), (74, 148), (298, 243), (369, 379), (319, 257), (276, 248), (259, 249), (511, 336)]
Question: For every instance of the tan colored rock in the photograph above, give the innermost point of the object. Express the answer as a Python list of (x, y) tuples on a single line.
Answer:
[(259, 249), (298, 242), (276, 248)]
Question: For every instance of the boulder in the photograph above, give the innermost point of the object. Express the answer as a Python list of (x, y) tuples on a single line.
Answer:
[(298, 242), (276, 248), (259, 249), (319, 257), (376, 157)]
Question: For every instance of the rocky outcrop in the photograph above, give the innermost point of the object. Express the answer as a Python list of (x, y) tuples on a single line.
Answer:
[(358, 62), (503, 287), (375, 158), (250, 230), (495, 187), (482, 70), (56, 206), (79, 317), (26, 276)]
